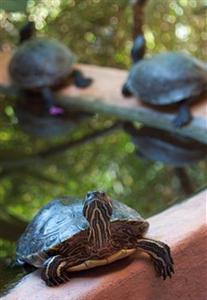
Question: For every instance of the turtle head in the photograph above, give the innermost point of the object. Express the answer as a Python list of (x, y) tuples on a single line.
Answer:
[(97, 209), (26, 32), (138, 49)]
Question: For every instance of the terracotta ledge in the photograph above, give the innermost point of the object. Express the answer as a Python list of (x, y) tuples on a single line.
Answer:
[(104, 96), (182, 226)]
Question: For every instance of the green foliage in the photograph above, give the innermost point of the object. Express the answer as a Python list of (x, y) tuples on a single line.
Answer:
[(13, 5), (100, 32)]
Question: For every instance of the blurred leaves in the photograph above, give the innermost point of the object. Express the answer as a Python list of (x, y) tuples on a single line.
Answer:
[(100, 32), (175, 25)]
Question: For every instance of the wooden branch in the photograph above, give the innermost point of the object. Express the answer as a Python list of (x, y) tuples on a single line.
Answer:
[(104, 96), (138, 16), (186, 184), (8, 91), (182, 226)]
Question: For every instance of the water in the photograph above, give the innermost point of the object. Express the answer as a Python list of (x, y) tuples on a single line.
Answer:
[(108, 162)]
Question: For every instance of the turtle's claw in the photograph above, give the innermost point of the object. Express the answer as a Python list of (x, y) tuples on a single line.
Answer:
[(183, 117), (177, 123), (56, 280)]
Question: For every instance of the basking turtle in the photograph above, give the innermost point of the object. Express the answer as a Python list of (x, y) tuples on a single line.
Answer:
[(167, 147), (166, 79), (39, 65), (71, 235)]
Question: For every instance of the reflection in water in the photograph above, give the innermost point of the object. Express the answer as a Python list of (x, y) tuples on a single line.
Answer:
[(167, 147), (170, 148), (34, 120)]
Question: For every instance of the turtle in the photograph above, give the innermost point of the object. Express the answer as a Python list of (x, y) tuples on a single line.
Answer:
[(165, 79), (168, 147), (40, 65), (70, 234)]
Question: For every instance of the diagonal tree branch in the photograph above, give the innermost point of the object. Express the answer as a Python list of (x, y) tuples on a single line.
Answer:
[(39, 157)]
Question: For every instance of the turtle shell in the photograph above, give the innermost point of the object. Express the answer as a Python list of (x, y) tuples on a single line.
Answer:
[(59, 221), (167, 78), (40, 62)]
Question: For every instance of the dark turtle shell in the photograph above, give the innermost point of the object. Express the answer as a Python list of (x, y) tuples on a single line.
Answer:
[(59, 221), (167, 147), (167, 78), (40, 62)]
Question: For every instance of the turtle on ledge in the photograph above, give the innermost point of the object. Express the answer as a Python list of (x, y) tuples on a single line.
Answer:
[(169, 78), (40, 65), (69, 235)]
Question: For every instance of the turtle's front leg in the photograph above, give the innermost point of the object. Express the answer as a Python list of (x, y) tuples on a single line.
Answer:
[(126, 90), (160, 255), (80, 80), (55, 270)]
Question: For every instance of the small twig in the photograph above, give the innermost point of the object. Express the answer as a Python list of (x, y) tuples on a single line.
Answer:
[(72, 144), (40, 156), (39, 176), (138, 16)]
